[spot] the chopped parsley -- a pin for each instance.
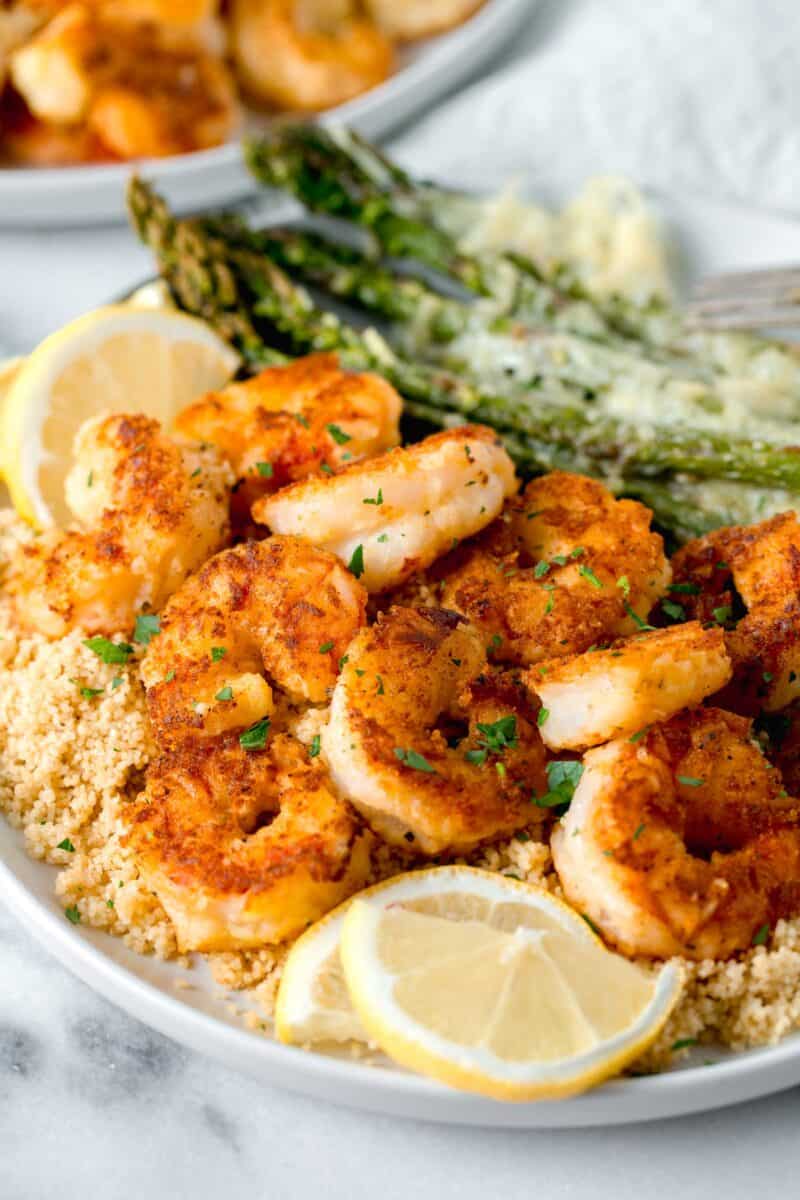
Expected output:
(376, 500)
(72, 914)
(225, 693)
(325, 647)
(676, 611)
(690, 781)
(638, 621)
(379, 688)
(218, 652)
(314, 748)
(722, 614)
(544, 713)
(589, 574)
(640, 733)
(255, 738)
(66, 845)
(88, 693)
(148, 626)
(265, 470)
(687, 589)
(108, 651)
(496, 737)
(563, 776)
(90, 479)
(195, 472)
(338, 435)
(541, 568)
(639, 831)
(760, 936)
(383, 538)
(684, 1043)
(591, 924)
(170, 675)
(343, 661)
(495, 642)
(411, 758)
(356, 564)
(624, 585)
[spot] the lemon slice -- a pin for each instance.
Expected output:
(313, 1003)
(116, 359)
(9, 369)
(495, 986)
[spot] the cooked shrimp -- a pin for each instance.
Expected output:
(294, 421)
(279, 608)
(604, 694)
(394, 515)
(756, 567)
(281, 64)
(681, 843)
(245, 847)
(414, 19)
(140, 91)
(411, 680)
(152, 510)
(567, 566)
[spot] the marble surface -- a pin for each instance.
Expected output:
(92, 1103)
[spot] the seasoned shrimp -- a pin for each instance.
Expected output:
(294, 421)
(152, 509)
(245, 847)
(279, 63)
(240, 833)
(139, 87)
(394, 515)
(683, 842)
(604, 694)
(278, 607)
(412, 683)
(755, 568)
(567, 566)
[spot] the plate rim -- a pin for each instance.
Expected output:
(738, 1077)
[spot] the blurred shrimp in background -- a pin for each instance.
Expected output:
(107, 80)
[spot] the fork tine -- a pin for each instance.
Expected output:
(744, 316)
(763, 278)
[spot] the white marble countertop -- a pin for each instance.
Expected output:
(92, 1103)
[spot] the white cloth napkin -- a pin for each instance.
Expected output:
(701, 96)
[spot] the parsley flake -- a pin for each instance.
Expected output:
(544, 713)
(314, 748)
(218, 652)
(377, 499)
(563, 776)
(690, 781)
(676, 611)
(66, 845)
(722, 614)
(411, 758)
(225, 693)
(624, 586)
(760, 936)
(338, 435)
(148, 626)
(265, 470)
(72, 914)
(108, 651)
(638, 621)
(325, 647)
(684, 1043)
(255, 738)
(589, 574)
(356, 564)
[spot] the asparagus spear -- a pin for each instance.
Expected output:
(337, 172)
(242, 290)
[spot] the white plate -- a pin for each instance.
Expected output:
(712, 235)
(83, 195)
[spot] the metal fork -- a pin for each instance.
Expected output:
(768, 298)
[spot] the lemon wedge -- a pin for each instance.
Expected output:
(115, 359)
(489, 985)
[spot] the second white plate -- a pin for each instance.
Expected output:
(84, 195)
